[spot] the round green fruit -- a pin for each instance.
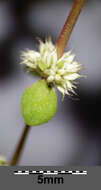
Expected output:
(39, 103)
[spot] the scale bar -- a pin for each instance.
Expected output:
(41, 172)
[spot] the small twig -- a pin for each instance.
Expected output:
(20, 146)
(68, 27)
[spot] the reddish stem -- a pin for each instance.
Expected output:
(20, 146)
(68, 27)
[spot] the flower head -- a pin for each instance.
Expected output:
(62, 72)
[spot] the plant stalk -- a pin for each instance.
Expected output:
(20, 146)
(68, 26)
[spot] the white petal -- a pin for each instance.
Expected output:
(31, 65)
(57, 77)
(49, 58)
(61, 71)
(71, 67)
(42, 48)
(69, 84)
(70, 58)
(50, 79)
(65, 55)
(61, 89)
(54, 57)
(72, 76)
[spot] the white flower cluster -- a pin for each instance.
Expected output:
(61, 72)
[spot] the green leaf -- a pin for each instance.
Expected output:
(39, 103)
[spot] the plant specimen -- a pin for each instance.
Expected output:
(58, 69)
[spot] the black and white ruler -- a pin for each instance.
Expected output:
(50, 172)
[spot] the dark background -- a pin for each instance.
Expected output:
(73, 136)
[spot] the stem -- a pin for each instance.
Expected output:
(68, 27)
(20, 146)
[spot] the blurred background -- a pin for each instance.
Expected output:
(73, 136)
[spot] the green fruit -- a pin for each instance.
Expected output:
(39, 103)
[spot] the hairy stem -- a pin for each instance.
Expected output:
(20, 146)
(68, 27)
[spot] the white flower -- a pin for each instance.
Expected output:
(61, 72)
